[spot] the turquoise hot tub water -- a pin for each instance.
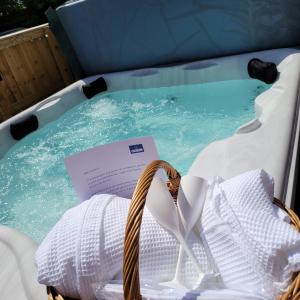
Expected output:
(35, 189)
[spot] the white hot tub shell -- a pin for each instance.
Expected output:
(270, 141)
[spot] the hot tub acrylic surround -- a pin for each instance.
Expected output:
(18, 272)
(255, 145)
(271, 140)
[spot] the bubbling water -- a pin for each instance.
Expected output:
(35, 189)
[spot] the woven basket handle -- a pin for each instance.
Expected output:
(131, 280)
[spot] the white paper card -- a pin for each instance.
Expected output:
(111, 168)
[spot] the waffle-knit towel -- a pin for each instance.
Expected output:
(254, 248)
(253, 244)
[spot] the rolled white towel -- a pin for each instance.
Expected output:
(84, 250)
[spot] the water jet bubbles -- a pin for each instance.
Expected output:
(182, 120)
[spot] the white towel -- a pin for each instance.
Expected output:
(254, 248)
(85, 248)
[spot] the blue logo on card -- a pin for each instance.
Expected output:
(136, 148)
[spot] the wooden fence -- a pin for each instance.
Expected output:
(32, 67)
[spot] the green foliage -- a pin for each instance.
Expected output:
(24, 13)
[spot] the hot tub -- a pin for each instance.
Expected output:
(269, 141)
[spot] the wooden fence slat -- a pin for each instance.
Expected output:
(48, 62)
(10, 79)
(8, 103)
(61, 63)
(17, 67)
(28, 74)
(32, 60)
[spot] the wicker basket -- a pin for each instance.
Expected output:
(131, 282)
